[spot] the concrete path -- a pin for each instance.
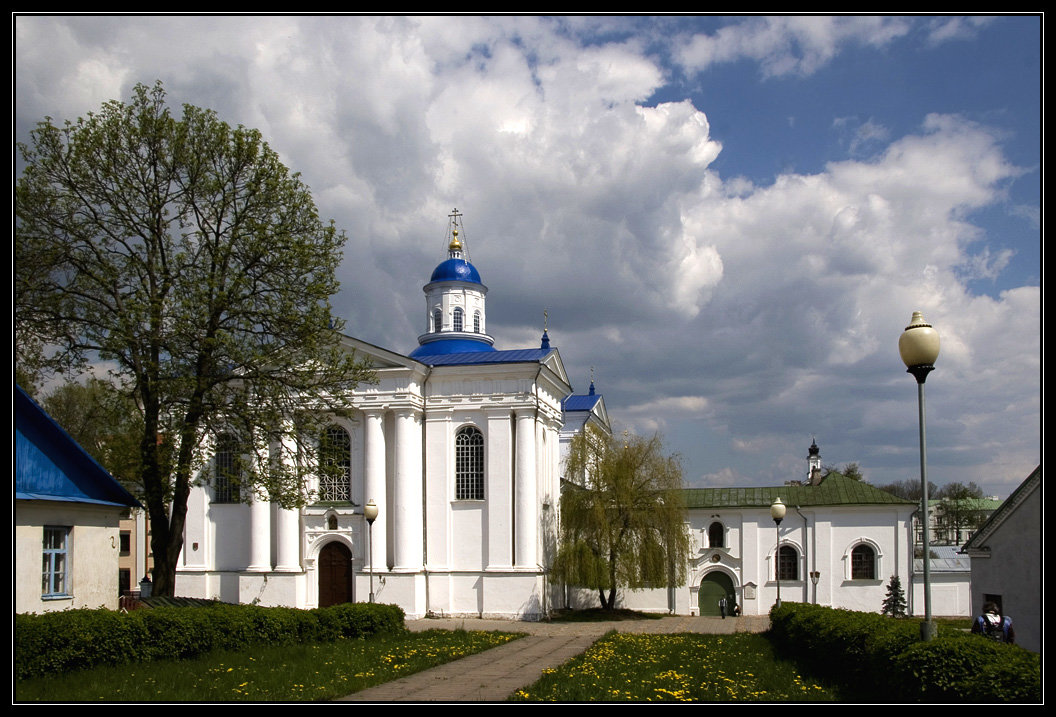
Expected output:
(494, 675)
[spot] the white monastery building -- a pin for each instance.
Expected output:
(460, 446)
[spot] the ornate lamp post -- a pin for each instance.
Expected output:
(777, 512)
(919, 347)
(815, 576)
(370, 512)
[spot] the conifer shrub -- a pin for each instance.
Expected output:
(75, 639)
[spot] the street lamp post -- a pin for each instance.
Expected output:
(815, 576)
(777, 512)
(919, 347)
(370, 512)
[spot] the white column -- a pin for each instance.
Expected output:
(497, 491)
(374, 484)
(526, 509)
(259, 534)
(287, 521)
(407, 554)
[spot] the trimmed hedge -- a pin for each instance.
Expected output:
(59, 642)
(883, 658)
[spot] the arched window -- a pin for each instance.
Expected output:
(335, 465)
(476, 322)
(863, 562)
(456, 320)
(469, 464)
(438, 320)
(787, 563)
(716, 535)
(226, 463)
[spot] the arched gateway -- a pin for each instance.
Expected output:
(715, 586)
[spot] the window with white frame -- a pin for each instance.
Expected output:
(863, 562)
(469, 464)
(56, 564)
(456, 319)
(438, 320)
(335, 464)
(787, 563)
(476, 322)
(227, 464)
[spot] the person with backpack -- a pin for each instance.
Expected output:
(994, 625)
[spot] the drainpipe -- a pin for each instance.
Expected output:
(813, 553)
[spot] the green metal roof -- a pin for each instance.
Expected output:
(835, 489)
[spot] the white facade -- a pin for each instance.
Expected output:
(438, 547)
(89, 551)
(734, 549)
(458, 445)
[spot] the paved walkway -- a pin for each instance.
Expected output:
(493, 675)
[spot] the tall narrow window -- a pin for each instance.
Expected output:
(469, 464)
(476, 322)
(716, 535)
(55, 570)
(456, 320)
(228, 474)
(335, 465)
(438, 320)
(863, 563)
(787, 563)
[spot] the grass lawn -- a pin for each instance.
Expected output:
(298, 673)
(624, 667)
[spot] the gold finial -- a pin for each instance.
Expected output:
(456, 244)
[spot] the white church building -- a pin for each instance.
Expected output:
(460, 446)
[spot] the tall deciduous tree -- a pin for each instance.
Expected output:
(622, 516)
(104, 421)
(182, 251)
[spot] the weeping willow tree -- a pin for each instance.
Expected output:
(622, 516)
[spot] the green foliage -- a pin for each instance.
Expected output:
(625, 667)
(303, 672)
(59, 642)
(182, 252)
(880, 658)
(622, 519)
(104, 421)
(895, 601)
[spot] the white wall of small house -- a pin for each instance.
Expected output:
(93, 547)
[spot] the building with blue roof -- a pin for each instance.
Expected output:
(67, 511)
(458, 444)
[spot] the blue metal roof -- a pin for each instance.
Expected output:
(456, 270)
(483, 357)
(580, 403)
(50, 465)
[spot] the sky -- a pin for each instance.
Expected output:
(728, 221)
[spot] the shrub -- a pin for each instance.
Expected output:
(75, 639)
(882, 658)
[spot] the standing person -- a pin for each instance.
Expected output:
(994, 625)
(722, 606)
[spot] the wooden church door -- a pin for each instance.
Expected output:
(335, 575)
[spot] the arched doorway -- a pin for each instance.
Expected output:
(713, 587)
(335, 575)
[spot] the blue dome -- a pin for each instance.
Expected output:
(456, 270)
(453, 345)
